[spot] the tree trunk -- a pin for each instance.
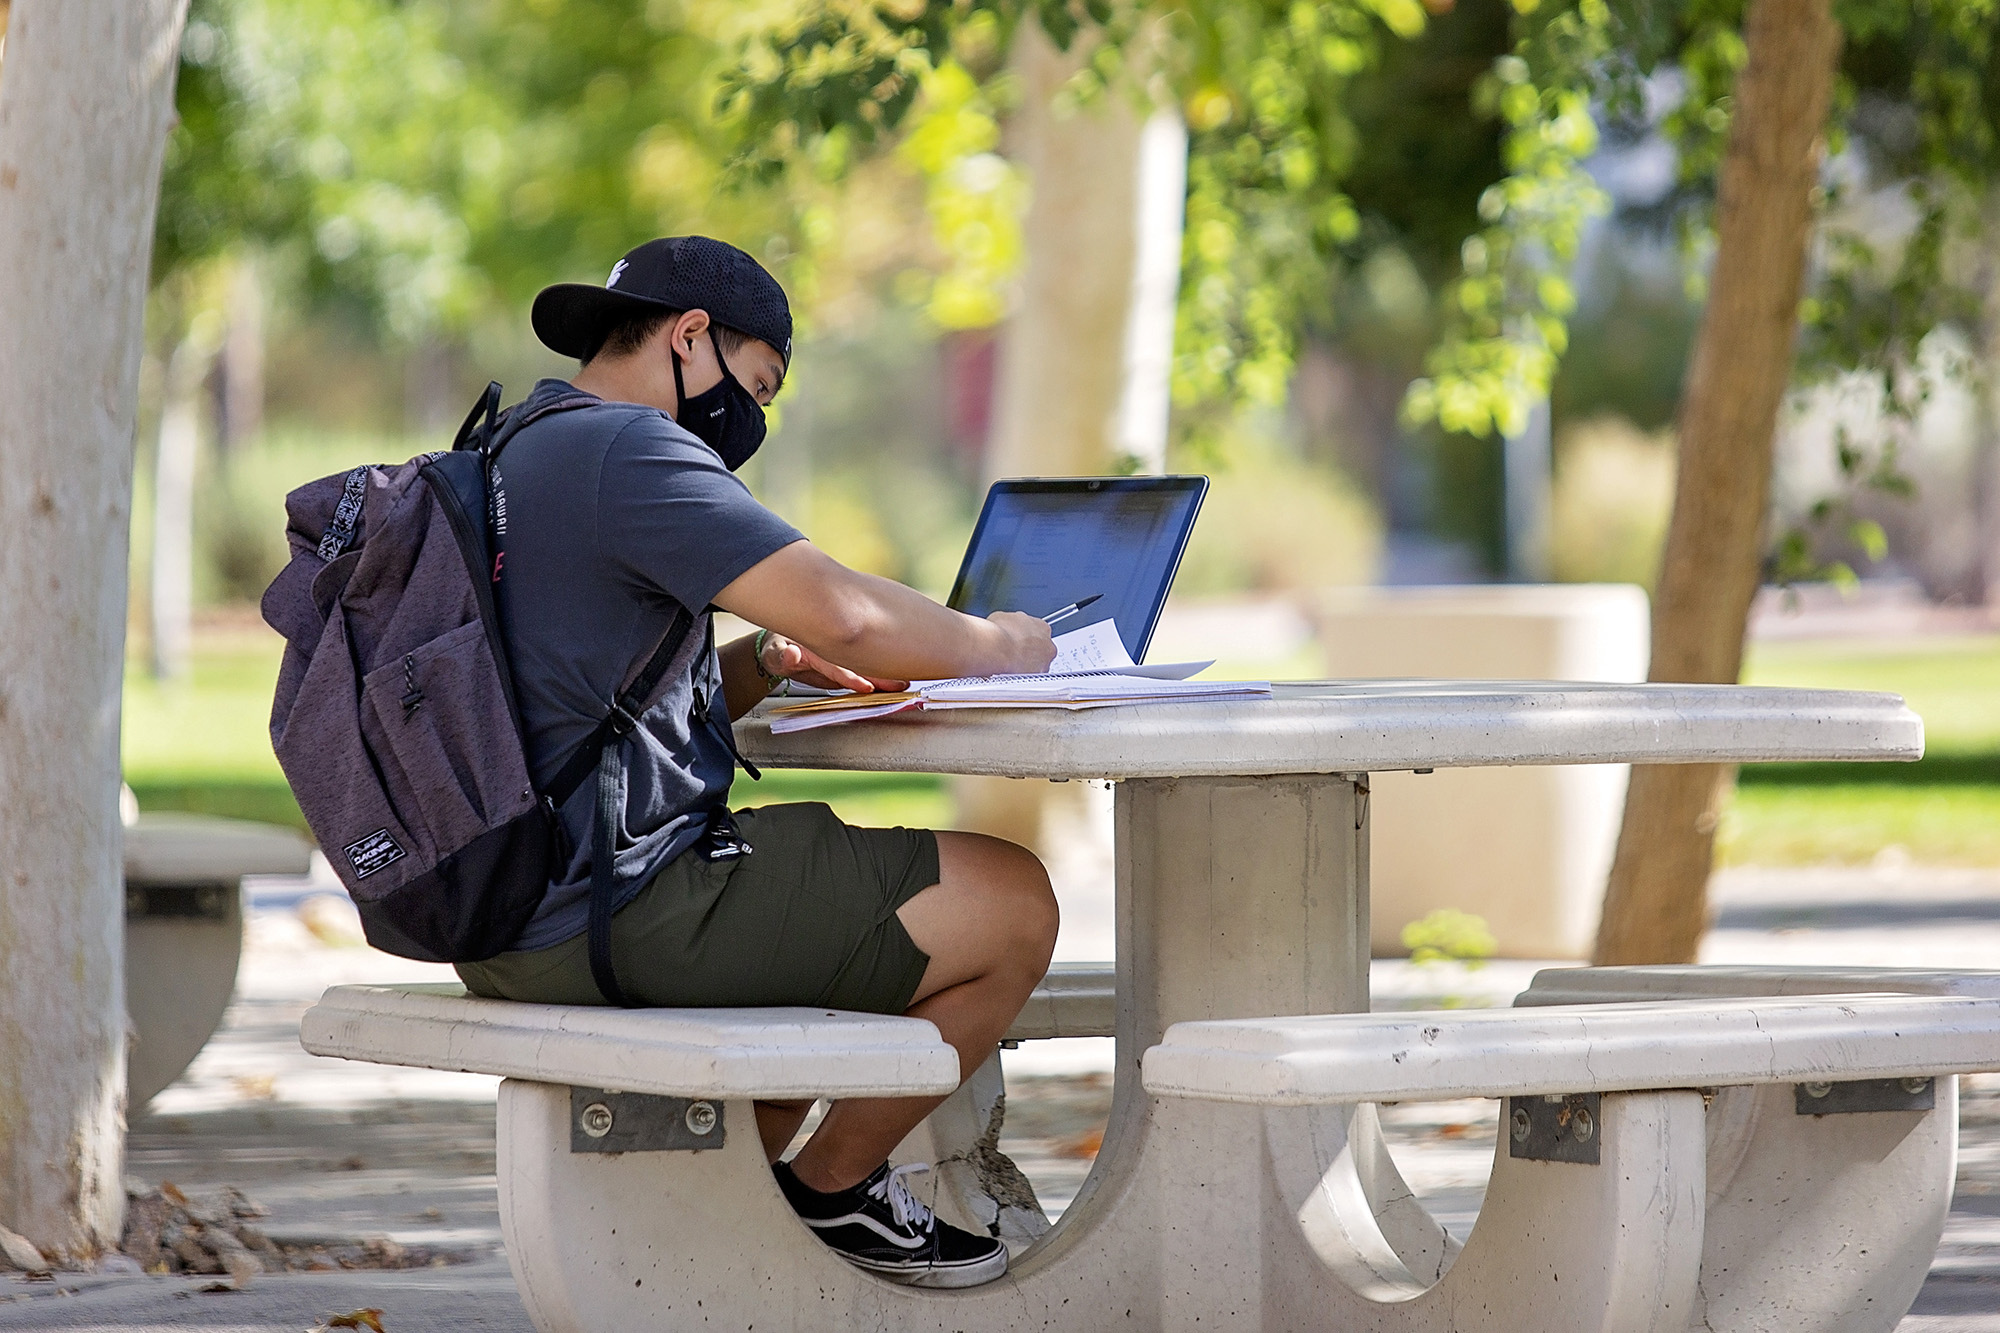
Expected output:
(174, 460)
(1986, 419)
(85, 103)
(1655, 907)
(239, 414)
(1087, 355)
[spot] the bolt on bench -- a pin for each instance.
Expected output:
(1243, 1181)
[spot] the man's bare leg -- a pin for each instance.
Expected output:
(777, 1122)
(989, 925)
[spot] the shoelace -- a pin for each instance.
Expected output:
(908, 1210)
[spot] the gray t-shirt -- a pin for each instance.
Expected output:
(613, 518)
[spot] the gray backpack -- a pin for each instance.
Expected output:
(395, 719)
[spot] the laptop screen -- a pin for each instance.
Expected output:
(1041, 545)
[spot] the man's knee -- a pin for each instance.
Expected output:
(1033, 908)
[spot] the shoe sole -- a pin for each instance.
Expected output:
(946, 1277)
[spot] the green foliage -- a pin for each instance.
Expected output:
(1449, 935)
(1507, 312)
(339, 130)
(975, 197)
(1270, 142)
(1263, 88)
(432, 161)
(1920, 97)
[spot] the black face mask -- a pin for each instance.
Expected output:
(725, 418)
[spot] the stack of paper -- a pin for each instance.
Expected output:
(1091, 670)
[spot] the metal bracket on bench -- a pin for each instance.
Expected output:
(1868, 1094)
(1557, 1127)
(602, 1121)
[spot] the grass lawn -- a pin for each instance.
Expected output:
(1943, 810)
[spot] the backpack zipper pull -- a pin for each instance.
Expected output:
(413, 698)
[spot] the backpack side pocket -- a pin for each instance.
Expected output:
(438, 708)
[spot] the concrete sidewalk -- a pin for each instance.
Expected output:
(341, 1151)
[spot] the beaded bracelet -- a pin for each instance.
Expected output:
(771, 682)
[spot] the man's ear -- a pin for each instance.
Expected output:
(686, 331)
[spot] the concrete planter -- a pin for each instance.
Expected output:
(1528, 849)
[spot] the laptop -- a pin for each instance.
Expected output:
(1042, 544)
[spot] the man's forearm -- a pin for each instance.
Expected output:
(881, 627)
(873, 625)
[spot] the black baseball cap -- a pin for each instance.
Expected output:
(672, 273)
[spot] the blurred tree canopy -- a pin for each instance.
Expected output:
(1456, 133)
(430, 159)
(434, 158)
(1918, 95)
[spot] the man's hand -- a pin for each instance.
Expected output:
(1029, 639)
(795, 661)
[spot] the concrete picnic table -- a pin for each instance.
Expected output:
(1243, 1181)
(184, 931)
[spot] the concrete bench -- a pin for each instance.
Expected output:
(1608, 1206)
(1808, 1196)
(720, 1054)
(1074, 1000)
(709, 1054)
(184, 931)
(1761, 1152)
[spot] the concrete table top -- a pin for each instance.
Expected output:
(177, 848)
(1365, 726)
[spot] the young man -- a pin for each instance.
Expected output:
(620, 510)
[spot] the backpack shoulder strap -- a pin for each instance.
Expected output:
(488, 429)
(601, 750)
(624, 714)
(477, 428)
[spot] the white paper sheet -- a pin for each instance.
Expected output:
(1092, 648)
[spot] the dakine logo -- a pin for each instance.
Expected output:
(373, 852)
(617, 271)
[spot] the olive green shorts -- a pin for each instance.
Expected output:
(808, 918)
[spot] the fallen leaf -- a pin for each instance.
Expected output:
(370, 1318)
(1083, 1145)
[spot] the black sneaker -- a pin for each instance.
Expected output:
(881, 1227)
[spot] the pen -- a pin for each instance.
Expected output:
(1066, 612)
